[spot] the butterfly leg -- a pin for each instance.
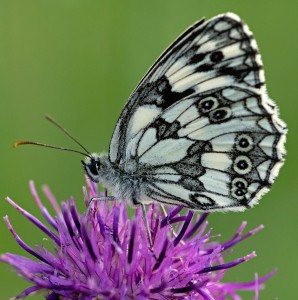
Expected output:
(148, 229)
(103, 198)
(172, 229)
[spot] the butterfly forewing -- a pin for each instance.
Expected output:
(200, 127)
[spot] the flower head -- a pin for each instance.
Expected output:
(106, 255)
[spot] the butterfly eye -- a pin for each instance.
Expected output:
(93, 168)
(244, 143)
(208, 104)
(242, 165)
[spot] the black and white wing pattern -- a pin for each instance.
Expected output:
(199, 128)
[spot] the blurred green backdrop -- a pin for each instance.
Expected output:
(79, 60)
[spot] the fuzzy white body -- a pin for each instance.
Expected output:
(126, 185)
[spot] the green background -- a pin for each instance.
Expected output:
(79, 60)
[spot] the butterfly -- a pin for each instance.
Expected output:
(199, 129)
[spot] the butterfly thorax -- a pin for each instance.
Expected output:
(122, 184)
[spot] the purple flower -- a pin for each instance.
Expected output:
(106, 254)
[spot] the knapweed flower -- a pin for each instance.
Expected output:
(104, 254)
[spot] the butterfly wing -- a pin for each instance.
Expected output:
(217, 53)
(199, 128)
(219, 150)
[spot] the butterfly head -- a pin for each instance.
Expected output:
(92, 166)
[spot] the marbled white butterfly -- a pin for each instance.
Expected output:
(199, 129)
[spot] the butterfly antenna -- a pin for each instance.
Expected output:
(48, 146)
(53, 121)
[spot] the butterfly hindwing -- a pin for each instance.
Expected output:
(225, 146)
(200, 129)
